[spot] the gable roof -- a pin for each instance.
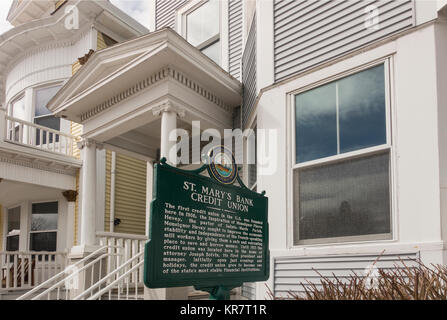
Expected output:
(112, 70)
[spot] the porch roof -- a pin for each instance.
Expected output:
(118, 69)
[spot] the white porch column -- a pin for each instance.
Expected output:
(169, 114)
(70, 195)
(88, 195)
(168, 124)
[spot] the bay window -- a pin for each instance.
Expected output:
(203, 29)
(341, 175)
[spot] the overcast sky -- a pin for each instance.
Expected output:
(137, 9)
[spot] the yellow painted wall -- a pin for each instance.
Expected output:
(103, 41)
(130, 194)
(75, 67)
(59, 3)
(76, 130)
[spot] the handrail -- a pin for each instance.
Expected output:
(110, 275)
(64, 280)
(31, 124)
(45, 283)
(33, 252)
(101, 292)
(126, 236)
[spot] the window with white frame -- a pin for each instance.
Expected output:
(43, 232)
(342, 170)
(43, 116)
(203, 29)
(17, 110)
(13, 229)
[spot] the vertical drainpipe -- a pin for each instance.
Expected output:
(112, 193)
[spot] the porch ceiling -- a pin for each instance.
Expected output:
(13, 193)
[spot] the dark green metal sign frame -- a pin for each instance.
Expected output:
(169, 187)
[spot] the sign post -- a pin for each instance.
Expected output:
(204, 231)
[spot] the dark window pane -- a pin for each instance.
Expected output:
(349, 198)
(44, 221)
(49, 122)
(12, 243)
(45, 207)
(362, 110)
(316, 123)
(43, 96)
(44, 216)
(43, 241)
(14, 219)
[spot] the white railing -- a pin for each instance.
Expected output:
(40, 137)
(124, 283)
(25, 270)
(113, 270)
(128, 245)
(59, 285)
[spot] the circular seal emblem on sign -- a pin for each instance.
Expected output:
(222, 165)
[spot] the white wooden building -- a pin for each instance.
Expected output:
(352, 89)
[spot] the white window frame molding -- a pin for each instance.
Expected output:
(252, 122)
(22, 206)
(18, 96)
(190, 6)
(253, 125)
(344, 70)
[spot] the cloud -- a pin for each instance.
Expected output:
(4, 9)
(137, 9)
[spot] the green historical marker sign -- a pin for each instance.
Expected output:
(206, 232)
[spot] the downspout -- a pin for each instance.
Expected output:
(112, 193)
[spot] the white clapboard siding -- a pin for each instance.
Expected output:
(235, 37)
(248, 290)
(47, 63)
(308, 33)
(249, 73)
(290, 272)
(165, 11)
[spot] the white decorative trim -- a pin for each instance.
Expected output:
(165, 73)
(33, 164)
(168, 107)
(55, 44)
(85, 143)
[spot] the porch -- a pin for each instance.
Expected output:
(130, 99)
(114, 270)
